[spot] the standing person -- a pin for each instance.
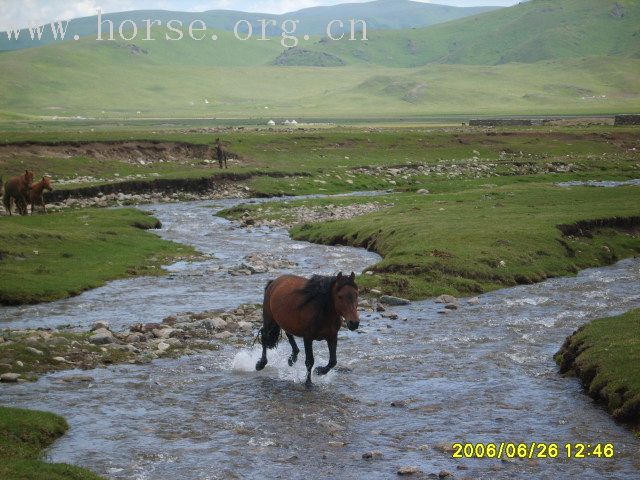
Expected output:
(221, 154)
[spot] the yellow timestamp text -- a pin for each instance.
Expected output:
(537, 450)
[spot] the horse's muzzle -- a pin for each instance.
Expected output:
(353, 325)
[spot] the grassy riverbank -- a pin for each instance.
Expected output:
(478, 238)
(605, 355)
(47, 257)
(24, 435)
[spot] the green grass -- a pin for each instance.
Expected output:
(24, 435)
(47, 257)
(605, 355)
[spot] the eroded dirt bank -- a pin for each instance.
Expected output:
(149, 151)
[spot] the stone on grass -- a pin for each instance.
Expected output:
(102, 331)
(9, 377)
(446, 299)
(100, 325)
(245, 326)
(101, 339)
(215, 323)
(391, 300)
(35, 351)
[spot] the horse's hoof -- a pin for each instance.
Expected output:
(308, 383)
(292, 359)
(260, 365)
(320, 371)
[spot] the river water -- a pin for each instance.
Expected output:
(483, 373)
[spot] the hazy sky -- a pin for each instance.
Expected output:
(21, 13)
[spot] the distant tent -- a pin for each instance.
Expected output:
(293, 122)
(287, 122)
(271, 123)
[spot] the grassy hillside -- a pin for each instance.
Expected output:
(380, 14)
(539, 57)
(239, 79)
(527, 32)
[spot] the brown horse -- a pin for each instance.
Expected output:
(309, 308)
(17, 189)
(36, 195)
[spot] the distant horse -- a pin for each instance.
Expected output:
(18, 189)
(309, 308)
(36, 195)
(221, 154)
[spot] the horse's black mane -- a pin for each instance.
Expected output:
(317, 292)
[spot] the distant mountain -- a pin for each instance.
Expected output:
(528, 32)
(380, 14)
(543, 56)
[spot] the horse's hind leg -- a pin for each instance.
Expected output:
(293, 358)
(308, 361)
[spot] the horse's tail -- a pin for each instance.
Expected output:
(6, 200)
(270, 331)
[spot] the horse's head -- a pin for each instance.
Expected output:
(47, 184)
(345, 299)
(28, 177)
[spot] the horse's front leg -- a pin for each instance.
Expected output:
(308, 361)
(332, 343)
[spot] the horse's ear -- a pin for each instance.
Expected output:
(339, 277)
(353, 276)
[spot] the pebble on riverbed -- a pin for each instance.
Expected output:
(256, 264)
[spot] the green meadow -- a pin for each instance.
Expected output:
(47, 257)
(24, 435)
